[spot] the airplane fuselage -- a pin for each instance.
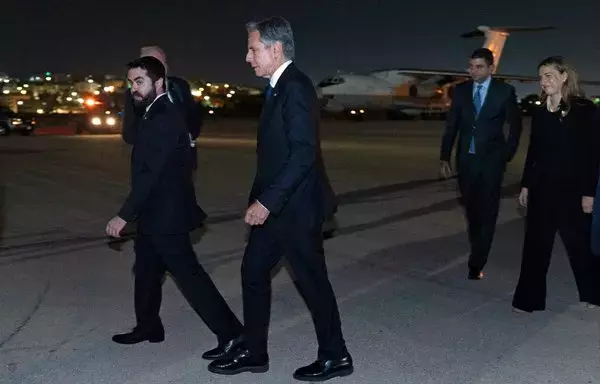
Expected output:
(382, 90)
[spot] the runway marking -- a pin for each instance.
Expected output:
(454, 263)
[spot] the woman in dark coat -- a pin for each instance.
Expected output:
(558, 187)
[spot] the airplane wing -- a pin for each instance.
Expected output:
(465, 75)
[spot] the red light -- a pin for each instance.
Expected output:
(90, 102)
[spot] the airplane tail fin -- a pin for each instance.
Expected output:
(495, 37)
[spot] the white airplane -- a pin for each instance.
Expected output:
(411, 92)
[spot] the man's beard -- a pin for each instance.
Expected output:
(145, 101)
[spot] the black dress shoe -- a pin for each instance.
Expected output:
(224, 350)
(242, 361)
(322, 370)
(137, 336)
(475, 274)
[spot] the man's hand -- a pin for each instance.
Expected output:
(115, 226)
(587, 203)
(446, 169)
(256, 214)
(524, 197)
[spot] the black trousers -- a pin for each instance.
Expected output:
(551, 210)
(155, 254)
(480, 191)
(303, 248)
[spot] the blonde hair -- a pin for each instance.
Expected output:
(571, 88)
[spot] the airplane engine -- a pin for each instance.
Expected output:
(424, 90)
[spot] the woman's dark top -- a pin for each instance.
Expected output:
(564, 149)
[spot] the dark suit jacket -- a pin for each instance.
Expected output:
(162, 197)
(179, 90)
(290, 177)
(493, 148)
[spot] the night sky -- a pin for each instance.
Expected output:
(207, 39)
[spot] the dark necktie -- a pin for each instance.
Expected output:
(477, 102)
(268, 92)
(477, 99)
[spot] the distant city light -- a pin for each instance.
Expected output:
(197, 93)
(208, 84)
(48, 78)
(96, 93)
(20, 102)
(206, 97)
(211, 112)
(96, 121)
(226, 85)
(69, 98)
(80, 100)
(109, 89)
(111, 121)
(26, 85)
(232, 92)
(23, 92)
(7, 80)
(229, 95)
(40, 111)
(19, 88)
(6, 91)
(90, 102)
(107, 112)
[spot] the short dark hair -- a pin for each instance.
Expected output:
(485, 54)
(154, 68)
(274, 29)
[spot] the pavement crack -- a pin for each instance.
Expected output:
(27, 319)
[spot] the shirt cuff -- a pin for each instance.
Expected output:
(261, 204)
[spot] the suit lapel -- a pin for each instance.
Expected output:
(161, 100)
(469, 101)
(270, 103)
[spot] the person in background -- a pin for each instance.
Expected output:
(480, 108)
(558, 187)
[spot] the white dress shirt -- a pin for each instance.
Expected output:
(277, 74)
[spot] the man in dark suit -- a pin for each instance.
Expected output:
(290, 199)
(163, 202)
(480, 108)
(179, 92)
